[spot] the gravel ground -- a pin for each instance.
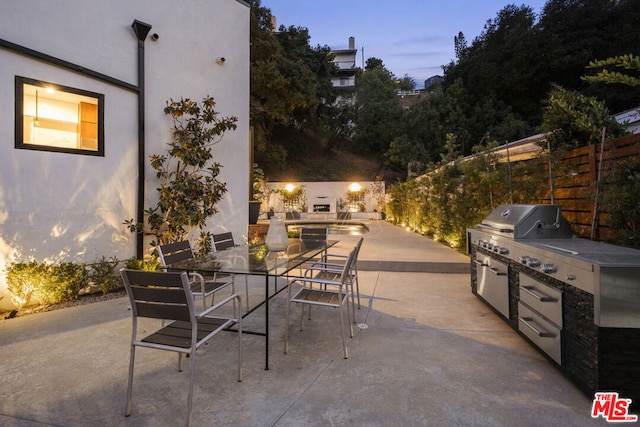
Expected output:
(81, 300)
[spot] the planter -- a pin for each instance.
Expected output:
(277, 238)
(254, 211)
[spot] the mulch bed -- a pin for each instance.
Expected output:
(81, 300)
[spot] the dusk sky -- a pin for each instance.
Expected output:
(412, 37)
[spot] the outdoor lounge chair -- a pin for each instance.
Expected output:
(317, 290)
(168, 296)
(180, 251)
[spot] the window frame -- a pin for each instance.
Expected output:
(19, 117)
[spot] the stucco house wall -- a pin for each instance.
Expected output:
(70, 207)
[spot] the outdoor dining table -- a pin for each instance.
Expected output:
(260, 261)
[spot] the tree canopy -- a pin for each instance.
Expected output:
(495, 89)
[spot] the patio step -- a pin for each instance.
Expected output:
(415, 266)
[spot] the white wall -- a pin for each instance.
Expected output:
(67, 207)
(326, 193)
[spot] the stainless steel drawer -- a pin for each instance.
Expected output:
(542, 298)
(543, 333)
(493, 283)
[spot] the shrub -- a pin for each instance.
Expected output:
(23, 279)
(49, 283)
(103, 274)
(63, 282)
(141, 264)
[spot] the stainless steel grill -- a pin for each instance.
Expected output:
(539, 237)
(527, 222)
(576, 300)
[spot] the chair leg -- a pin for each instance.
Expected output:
(286, 316)
(344, 341)
(239, 320)
(353, 306)
(302, 316)
(358, 290)
(130, 384)
(179, 362)
(246, 291)
(191, 376)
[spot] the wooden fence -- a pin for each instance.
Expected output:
(576, 182)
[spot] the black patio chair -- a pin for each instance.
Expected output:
(223, 241)
(181, 251)
(168, 296)
(315, 289)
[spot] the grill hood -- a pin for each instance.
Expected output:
(527, 222)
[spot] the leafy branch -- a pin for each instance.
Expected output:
(190, 188)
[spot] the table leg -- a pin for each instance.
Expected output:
(266, 322)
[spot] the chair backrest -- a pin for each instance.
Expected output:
(223, 241)
(159, 295)
(346, 269)
(357, 251)
(314, 233)
(175, 252)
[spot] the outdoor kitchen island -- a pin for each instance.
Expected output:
(577, 301)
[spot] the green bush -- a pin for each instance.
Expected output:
(63, 282)
(23, 279)
(49, 283)
(141, 264)
(103, 274)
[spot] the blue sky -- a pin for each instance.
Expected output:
(412, 37)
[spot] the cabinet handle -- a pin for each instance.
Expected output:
(539, 297)
(497, 272)
(543, 334)
(480, 263)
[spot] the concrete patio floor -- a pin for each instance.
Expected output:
(427, 353)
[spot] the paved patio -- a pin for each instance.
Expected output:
(428, 353)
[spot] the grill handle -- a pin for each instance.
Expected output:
(496, 271)
(528, 323)
(542, 298)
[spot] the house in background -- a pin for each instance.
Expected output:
(630, 119)
(71, 158)
(433, 80)
(345, 60)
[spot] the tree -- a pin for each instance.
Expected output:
(575, 120)
(292, 96)
(608, 70)
(190, 189)
(406, 83)
(379, 112)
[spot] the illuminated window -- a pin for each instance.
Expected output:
(51, 117)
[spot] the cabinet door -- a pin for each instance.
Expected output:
(493, 283)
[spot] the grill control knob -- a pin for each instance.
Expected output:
(534, 262)
(503, 251)
(549, 268)
(524, 259)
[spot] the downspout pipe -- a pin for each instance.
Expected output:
(141, 30)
